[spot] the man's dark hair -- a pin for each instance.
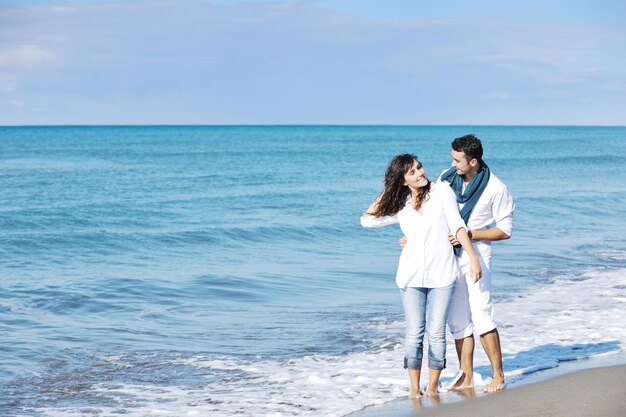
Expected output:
(470, 145)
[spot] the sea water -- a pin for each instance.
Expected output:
(218, 271)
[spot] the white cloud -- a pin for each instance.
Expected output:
(8, 83)
(294, 62)
(497, 95)
(26, 55)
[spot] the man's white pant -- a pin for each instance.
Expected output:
(471, 309)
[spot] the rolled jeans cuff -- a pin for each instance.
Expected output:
(413, 363)
(436, 364)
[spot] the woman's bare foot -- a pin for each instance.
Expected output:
(417, 403)
(433, 397)
(431, 393)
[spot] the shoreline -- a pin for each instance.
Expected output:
(592, 387)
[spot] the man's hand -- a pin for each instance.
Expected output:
(402, 242)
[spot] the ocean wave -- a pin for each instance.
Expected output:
(103, 241)
(537, 334)
(45, 165)
(617, 255)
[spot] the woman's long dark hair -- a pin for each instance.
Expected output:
(394, 195)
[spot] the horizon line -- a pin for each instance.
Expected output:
(306, 125)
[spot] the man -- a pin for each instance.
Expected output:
(487, 208)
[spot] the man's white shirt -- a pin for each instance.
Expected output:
(495, 207)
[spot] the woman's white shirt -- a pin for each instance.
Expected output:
(427, 259)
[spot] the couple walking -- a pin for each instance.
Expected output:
(444, 272)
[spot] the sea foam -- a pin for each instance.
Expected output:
(571, 318)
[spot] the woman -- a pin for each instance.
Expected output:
(427, 270)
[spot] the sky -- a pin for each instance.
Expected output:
(407, 62)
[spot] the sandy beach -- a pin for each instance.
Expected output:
(598, 392)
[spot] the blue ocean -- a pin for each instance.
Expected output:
(220, 271)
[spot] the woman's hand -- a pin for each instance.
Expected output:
(475, 269)
(464, 239)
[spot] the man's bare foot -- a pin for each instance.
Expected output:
(496, 384)
(462, 383)
(415, 393)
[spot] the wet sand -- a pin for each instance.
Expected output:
(597, 392)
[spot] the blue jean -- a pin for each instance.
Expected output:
(426, 309)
